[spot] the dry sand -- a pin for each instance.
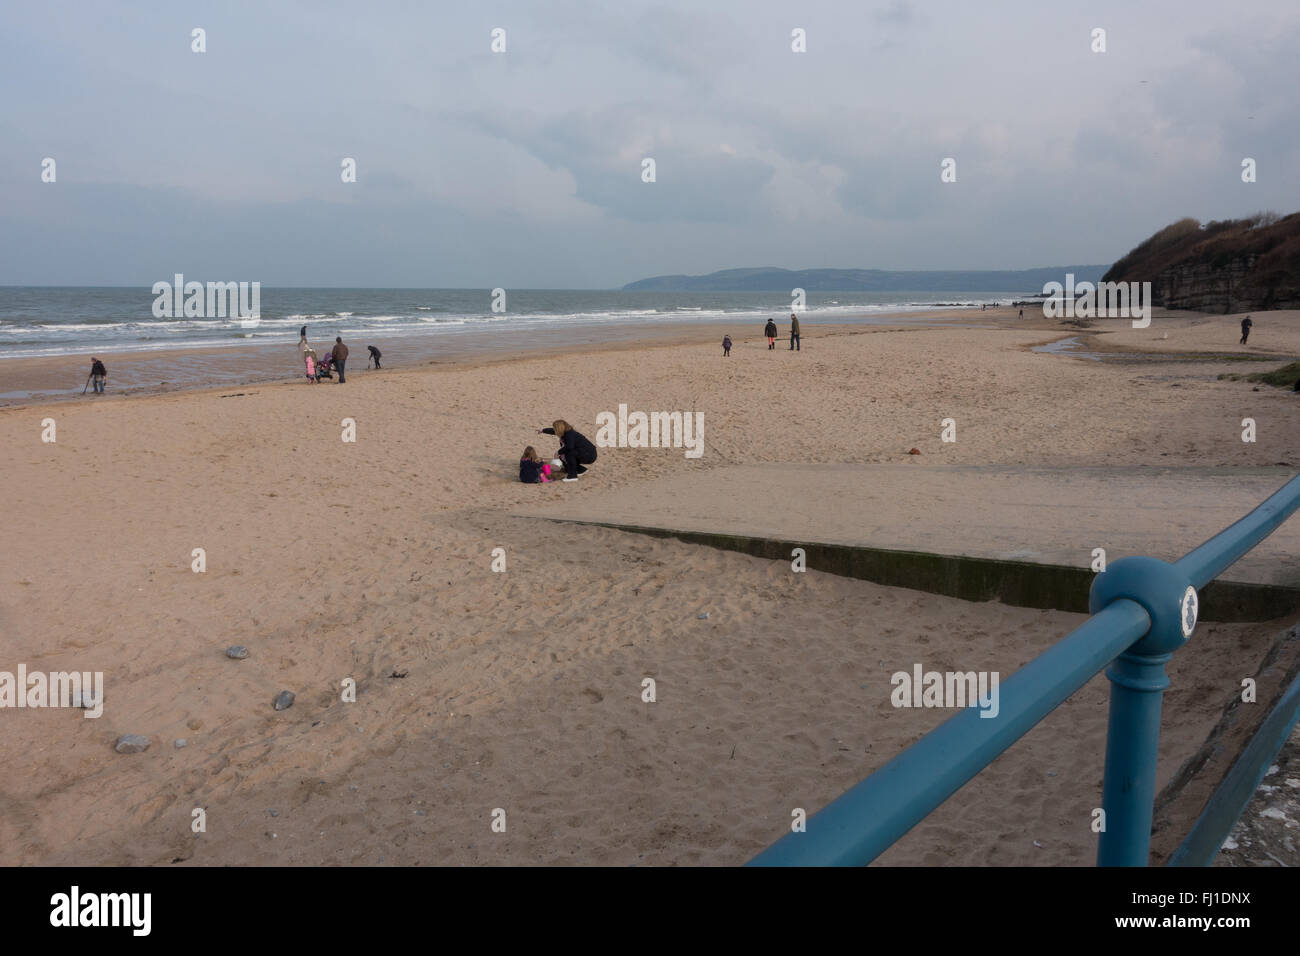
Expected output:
(522, 690)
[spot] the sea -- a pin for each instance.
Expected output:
(46, 321)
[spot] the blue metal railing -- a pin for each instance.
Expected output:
(1143, 610)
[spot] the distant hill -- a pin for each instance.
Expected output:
(865, 280)
(1237, 265)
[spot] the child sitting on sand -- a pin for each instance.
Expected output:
(532, 470)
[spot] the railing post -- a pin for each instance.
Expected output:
(1128, 790)
(1138, 682)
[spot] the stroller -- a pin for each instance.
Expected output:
(325, 368)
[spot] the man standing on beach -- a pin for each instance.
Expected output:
(340, 354)
(1245, 329)
(794, 333)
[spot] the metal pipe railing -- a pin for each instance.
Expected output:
(1143, 610)
(902, 792)
(1202, 565)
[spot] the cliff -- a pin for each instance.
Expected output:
(1237, 265)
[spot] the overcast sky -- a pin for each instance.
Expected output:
(523, 169)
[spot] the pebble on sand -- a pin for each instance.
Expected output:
(914, 451)
(131, 744)
(237, 652)
(180, 742)
(284, 701)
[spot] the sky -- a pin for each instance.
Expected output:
(524, 168)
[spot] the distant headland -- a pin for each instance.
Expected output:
(771, 279)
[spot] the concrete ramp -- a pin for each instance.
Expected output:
(1020, 534)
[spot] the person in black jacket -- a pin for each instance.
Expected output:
(98, 373)
(1245, 329)
(575, 450)
(770, 331)
(532, 470)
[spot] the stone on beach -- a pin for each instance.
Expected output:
(284, 701)
(131, 744)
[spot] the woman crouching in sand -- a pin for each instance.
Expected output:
(575, 450)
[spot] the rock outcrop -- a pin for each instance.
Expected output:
(1240, 265)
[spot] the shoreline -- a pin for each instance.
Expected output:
(39, 381)
(133, 374)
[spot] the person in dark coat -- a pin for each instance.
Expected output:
(340, 356)
(532, 470)
(1245, 329)
(374, 355)
(98, 373)
(726, 345)
(575, 450)
(770, 331)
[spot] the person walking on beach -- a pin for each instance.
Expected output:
(726, 345)
(340, 356)
(374, 355)
(1022, 313)
(770, 331)
(575, 449)
(794, 333)
(1245, 329)
(98, 374)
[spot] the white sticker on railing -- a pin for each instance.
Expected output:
(1190, 606)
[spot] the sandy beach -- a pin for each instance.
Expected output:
(522, 690)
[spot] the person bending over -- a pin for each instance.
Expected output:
(575, 450)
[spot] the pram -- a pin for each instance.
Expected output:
(325, 368)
